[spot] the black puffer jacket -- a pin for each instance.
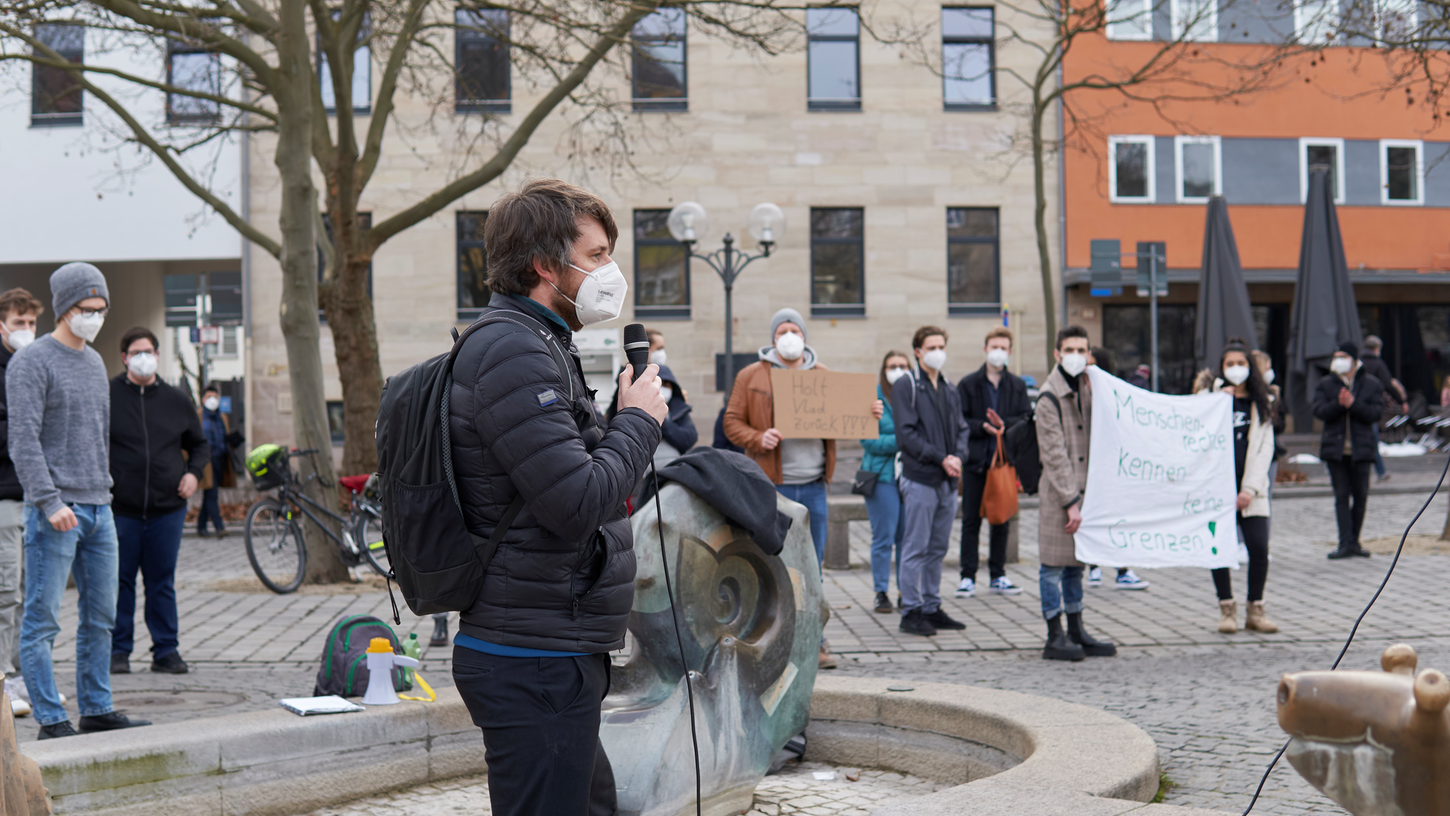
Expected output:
(151, 427)
(1369, 395)
(563, 578)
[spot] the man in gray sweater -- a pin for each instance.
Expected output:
(58, 397)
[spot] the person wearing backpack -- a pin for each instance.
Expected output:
(531, 657)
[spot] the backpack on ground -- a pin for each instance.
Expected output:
(1019, 442)
(439, 565)
(344, 670)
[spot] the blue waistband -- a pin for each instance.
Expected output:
(484, 646)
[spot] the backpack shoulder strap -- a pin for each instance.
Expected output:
(486, 548)
(535, 327)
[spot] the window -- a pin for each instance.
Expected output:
(56, 97)
(224, 290)
(1401, 172)
(838, 262)
(362, 75)
(1130, 19)
(659, 62)
(473, 291)
(364, 222)
(481, 53)
(973, 265)
(1131, 175)
(833, 59)
(1315, 21)
(1198, 165)
(1322, 153)
(1195, 20)
(192, 68)
(661, 268)
(1395, 20)
(229, 344)
(335, 418)
(968, 58)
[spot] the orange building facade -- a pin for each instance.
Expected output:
(1144, 172)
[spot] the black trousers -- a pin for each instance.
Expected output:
(540, 721)
(973, 485)
(1351, 491)
(1256, 539)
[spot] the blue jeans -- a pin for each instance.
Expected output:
(1066, 599)
(930, 513)
(813, 496)
(87, 552)
(150, 545)
(887, 525)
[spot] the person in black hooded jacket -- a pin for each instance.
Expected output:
(1349, 402)
(158, 452)
(531, 655)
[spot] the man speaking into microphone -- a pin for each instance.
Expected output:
(531, 656)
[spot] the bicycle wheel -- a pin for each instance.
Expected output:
(368, 533)
(275, 546)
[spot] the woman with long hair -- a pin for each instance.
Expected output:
(1253, 434)
(883, 506)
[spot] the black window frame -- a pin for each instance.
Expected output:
(363, 32)
(336, 430)
(43, 118)
(463, 34)
(655, 312)
(643, 104)
(175, 48)
(838, 309)
(811, 39)
(467, 314)
(985, 308)
(365, 222)
(990, 41)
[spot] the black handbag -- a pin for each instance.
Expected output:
(865, 483)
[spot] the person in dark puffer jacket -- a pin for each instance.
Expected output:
(531, 657)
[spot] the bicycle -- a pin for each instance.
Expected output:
(274, 537)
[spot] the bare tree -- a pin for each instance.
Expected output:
(269, 56)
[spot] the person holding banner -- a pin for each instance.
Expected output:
(1064, 430)
(1253, 434)
(1349, 403)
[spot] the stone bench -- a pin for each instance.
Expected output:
(848, 508)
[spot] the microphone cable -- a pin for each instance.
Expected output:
(679, 640)
(1355, 629)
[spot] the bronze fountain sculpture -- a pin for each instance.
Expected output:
(22, 793)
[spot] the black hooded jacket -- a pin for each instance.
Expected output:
(563, 577)
(1369, 396)
(9, 482)
(1012, 406)
(151, 427)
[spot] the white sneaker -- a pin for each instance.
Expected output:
(15, 687)
(1004, 586)
(1130, 581)
(1095, 577)
(967, 588)
(18, 707)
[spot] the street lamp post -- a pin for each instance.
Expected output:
(689, 222)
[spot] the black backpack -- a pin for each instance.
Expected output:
(1020, 444)
(439, 565)
(344, 669)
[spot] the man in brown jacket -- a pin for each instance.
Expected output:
(1064, 428)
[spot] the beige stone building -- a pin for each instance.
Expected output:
(875, 149)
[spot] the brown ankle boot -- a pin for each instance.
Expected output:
(1257, 621)
(1228, 612)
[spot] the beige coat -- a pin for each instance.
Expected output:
(1062, 443)
(1260, 456)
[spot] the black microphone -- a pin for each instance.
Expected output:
(636, 347)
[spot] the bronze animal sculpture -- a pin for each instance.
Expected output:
(22, 793)
(1378, 743)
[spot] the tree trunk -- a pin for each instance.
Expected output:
(1044, 255)
(349, 312)
(298, 310)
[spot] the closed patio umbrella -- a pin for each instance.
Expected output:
(1223, 298)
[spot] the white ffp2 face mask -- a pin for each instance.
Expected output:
(658, 357)
(86, 328)
(667, 392)
(791, 346)
(1341, 365)
(998, 357)
(211, 403)
(1236, 374)
(894, 373)
(1269, 377)
(936, 359)
(600, 296)
(20, 338)
(142, 364)
(1074, 364)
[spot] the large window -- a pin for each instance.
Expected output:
(56, 97)
(1402, 173)
(1131, 176)
(1198, 163)
(473, 291)
(833, 59)
(968, 59)
(838, 262)
(192, 68)
(1315, 21)
(1130, 19)
(659, 62)
(973, 263)
(1326, 154)
(661, 268)
(481, 53)
(362, 75)
(1195, 20)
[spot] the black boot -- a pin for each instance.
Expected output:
(1342, 552)
(1058, 646)
(440, 631)
(1090, 647)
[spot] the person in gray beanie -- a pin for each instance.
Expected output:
(59, 404)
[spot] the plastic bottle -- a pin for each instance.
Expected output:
(414, 649)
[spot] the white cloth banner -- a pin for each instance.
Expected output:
(1161, 486)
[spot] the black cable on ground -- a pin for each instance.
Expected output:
(1355, 630)
(679, 640)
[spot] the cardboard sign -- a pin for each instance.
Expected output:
(823, 404)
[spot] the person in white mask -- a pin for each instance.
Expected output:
(218, 472)
(877, 482)
(1064, 431)
(18, 311)
(1349, 402)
